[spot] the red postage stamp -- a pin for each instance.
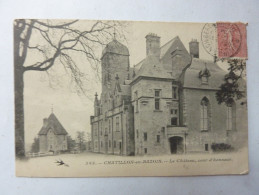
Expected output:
(231, 38)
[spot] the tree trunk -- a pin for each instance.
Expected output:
(19, 112)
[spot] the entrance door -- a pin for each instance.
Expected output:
(176, 145)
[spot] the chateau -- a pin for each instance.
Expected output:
(165, 104)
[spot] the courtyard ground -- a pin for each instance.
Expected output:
(90, 164)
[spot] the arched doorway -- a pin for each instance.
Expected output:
(176, 145)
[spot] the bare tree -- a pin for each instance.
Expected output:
(58, 41)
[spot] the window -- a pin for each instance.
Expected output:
(174, 117)
(117, 124)
(206, 147)
(109, 143)
(173, 111)
(114, 144)
(96, 144)
(231, 116)
(157, 104)
(145, 136)
(101, 144)
(95, 129)
(204, 114)
(157, 99)
(109, 125)
(158, 138)
(145, 150)
(174, 92)
(136, 100)
(204, 80)
(137, 133)
(174, 121)
(157, 93)
(101, 110)
(101, 128)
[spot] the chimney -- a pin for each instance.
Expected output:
(45, 121)
(194, 48)
(153, 45)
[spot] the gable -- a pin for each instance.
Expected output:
(179, 62)
(171, 46)
(53, 123)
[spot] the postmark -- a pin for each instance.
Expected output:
(209, 38)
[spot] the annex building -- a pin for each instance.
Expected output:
(52, 135)
(165, 104)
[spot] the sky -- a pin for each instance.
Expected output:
(74, 111)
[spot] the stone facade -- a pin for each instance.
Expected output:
(165, 104)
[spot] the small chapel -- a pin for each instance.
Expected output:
(52, 135)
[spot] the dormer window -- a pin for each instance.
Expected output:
(204, 75)
(204, 80)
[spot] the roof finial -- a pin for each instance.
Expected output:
(51, 108)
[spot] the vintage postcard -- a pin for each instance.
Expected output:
(128, 98)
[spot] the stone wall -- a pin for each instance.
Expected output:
(149, 120)
(217, 133)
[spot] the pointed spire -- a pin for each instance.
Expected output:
(52, 108)
(96, 96)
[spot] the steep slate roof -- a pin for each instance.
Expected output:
(164, 49)
(115, 47)
(151, 67)
(53, 123)
(191, 76)
(143, 68)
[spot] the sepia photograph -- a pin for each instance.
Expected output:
(103, 98)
